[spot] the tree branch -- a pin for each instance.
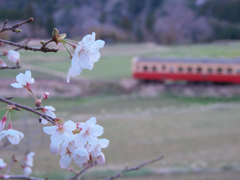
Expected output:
(19, 177)
(13, 27)
(10, 67)
(126, 169)
(43, 48)
(27, 108)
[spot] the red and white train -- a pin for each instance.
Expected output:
(219, 70)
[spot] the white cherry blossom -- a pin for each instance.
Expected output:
(13, 56)
(29, 159)
(13, 136)
(2, 164)
(60, 132)
(27, 171)
(24, 80)
(48, 110)
(54, 149)
(96, 150)
(80, 156)
(65, 161)
(86, 54)
(89, 131)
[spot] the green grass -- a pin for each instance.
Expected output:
(115, 62)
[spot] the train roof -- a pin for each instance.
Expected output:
(189, 60)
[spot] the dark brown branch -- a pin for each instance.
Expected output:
(10, 67)
(20, 177)
(13, 27)
(27, 108)
(43, 48)
(126, 169)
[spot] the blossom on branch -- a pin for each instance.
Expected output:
(3, 122)
(85, 55)
(13, 56)
(24, 80)
(61, 132)
(13, 136)
(29, 159)
(48, 110)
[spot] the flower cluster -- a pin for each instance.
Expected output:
(77, 141)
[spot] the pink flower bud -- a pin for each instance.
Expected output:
(45, 95)
(10, 125)
(38, 102)
(70, 169)
(3, 122)
(27, 171)
(10, 107)
(101, 159)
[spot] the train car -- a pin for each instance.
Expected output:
(220, 70)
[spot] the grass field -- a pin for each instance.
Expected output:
(189, 132)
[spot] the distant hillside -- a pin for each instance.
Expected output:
(162, 21)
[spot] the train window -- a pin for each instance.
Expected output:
(209, 70)
(145, 68)
(171, 69)
(154, 68)
(199, 70)
(229, 70)
(180, 69)
(189, 69)
(238, 71)
(219, 70)
(163, 67)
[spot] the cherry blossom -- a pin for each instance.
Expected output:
(13, 136)
(2, 164)
(80, 156)
(24, 80)
(96, 150)
(29, 159)
(13, 56)
(60, 132)
(54, 149)
(48, 110)
(27, 171)
(65, 161)
(85, 55)
(89, 131)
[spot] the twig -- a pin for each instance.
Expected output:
(27, 108)
(13, 27)
(10, 67)
(43, 48)
(126, 169)
(10, 166)
(4, 145)
(19, 177)
(82, 171)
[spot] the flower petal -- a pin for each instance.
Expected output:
(65, 161)
(50, 129)
(16, 85)
(70, 125)
(56, 138)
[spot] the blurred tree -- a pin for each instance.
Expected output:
(150, 20)
(50, 24)
(126, 23)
